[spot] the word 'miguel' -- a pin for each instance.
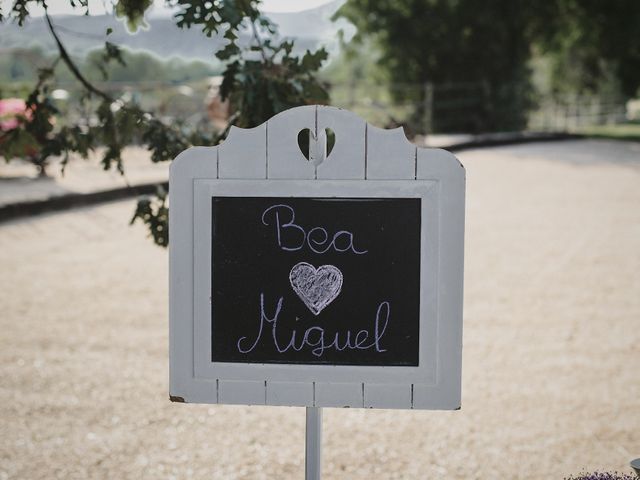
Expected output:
(315, 337)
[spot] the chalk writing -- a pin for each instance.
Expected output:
(316, 338)
(292, 237)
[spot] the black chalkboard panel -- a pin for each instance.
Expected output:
(316, 280)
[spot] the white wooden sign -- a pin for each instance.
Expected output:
(333, 281)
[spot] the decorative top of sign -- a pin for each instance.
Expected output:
(361, 151)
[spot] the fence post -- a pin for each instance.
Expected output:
(428, 108)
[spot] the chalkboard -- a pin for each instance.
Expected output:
(315, 280)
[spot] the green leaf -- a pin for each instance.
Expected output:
(230, 50)
(154, 213)
(132, 11)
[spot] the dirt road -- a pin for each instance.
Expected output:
(551, 345)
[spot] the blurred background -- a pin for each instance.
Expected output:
(433, 67)
(539, 100)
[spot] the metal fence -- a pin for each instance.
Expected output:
(421, 106)
(572, 112)
(446, 104)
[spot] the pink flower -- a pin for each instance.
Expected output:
(11, 109)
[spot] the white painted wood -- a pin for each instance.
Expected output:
(389, 154)
(317, 147)
(341, 395)
(444, 396)
(192, 163)
(371, 162)
(244, 153)
(313, 444)
(347, 159)
(444, 167)
(241, 392)
(387, 396)
(439, 164)
(204, 189)
(284, 158)
(289, 393)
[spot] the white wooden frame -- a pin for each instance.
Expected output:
(366, 162)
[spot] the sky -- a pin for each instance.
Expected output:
(97, 7)
(291, 5)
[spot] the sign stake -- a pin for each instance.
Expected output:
(313, 444)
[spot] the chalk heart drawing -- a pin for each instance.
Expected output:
(316, 287)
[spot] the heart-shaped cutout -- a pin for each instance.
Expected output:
(317, 288)
(316, 148)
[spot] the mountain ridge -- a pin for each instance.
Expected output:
(310, 29)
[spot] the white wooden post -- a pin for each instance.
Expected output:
(313, 444)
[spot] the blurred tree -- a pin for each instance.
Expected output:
(591, 44)
(466, 48)
(261, 78)
(21, 65)
(477, 54)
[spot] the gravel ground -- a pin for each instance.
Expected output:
(19, 181)
(551, 345)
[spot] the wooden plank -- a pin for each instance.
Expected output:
(390, 156)
(192, 163)
(294, 394)
(443, 166)
(338, 395)
(202, 392)
(347, 159)
(387, 396)
(284, 158)
(241, 392)
(438, 164)
(445, 397)
(244, 153)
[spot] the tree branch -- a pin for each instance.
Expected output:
(258, 41)
(72, 66)
(133, 109)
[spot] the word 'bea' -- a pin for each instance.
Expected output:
(316, 338)
(292, 237)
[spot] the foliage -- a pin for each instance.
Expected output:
(358, 66)
(259, 88)
(592, 44)
(20, 66)
(483, 52)
(154, 212)
(448, 42)
(623, 131)
(144, 67)
(261, 78)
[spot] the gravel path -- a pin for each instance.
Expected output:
(551, 345)
(20, 183)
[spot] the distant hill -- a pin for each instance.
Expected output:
(310, 29)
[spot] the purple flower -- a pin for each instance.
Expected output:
(602, 476)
